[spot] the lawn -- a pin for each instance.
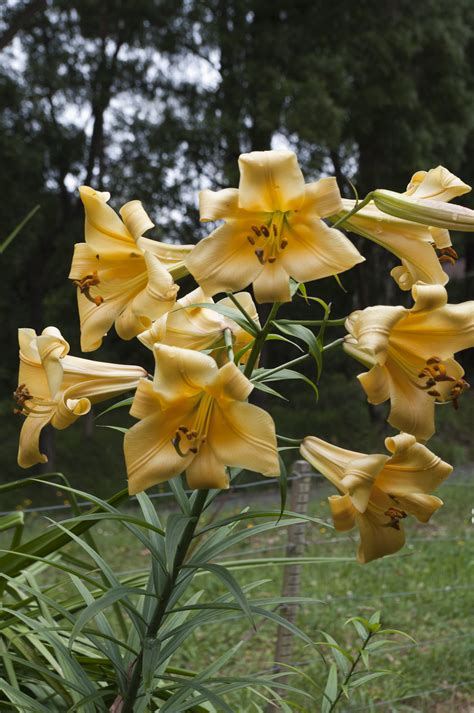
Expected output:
(424, 591)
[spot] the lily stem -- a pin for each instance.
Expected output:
(163, 599)
(229, 344)
(358, 206)
(351, 671)
(260, 340)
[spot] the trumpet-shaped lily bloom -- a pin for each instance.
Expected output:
(414, 243)
(194, 417)
(410, 354)
(56, 388)
(191, 327)
(377, 492)
(121, 276)
(426, 201)
(272, 230)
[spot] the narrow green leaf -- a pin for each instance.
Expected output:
(18, 228)
(330, 692)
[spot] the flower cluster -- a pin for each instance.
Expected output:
(193, 415)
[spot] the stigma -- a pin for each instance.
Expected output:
(85, 284)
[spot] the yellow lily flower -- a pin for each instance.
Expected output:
(414, 243)
(194, 417)
(410, 354)
(379, 491)
(56, 388)
(199, 328)
(121, 276)
(425, 201)
(272, 230)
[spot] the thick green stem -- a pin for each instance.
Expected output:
(260, 341)
(358, 206)
(163, 599)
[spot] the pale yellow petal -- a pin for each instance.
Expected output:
(52, 347)
(68, 410)
(377, 537)
(375, 384)
(207, 471)
(343, 512)
(323, 197)
(105, 233)
(428, 297)
(411, 408)
(359, 477)
(328, 459)
(28, 345)
(437, 183)
(28, 450)
(225, 261)
(270, 181)
(150, 456)
(159, 295)
(181, 373)
(136, 219)
(371, 329)
(230, 384)
(171, 255)
(421, 505)
(243, 435)
(272, 284)
(224, 205)
(315, 251)
(413, 468)
(146, 401)
(128, 324)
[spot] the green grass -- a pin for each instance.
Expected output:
(423, 591)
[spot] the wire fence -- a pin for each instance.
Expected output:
(262, 483)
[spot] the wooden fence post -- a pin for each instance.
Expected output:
(300, 492)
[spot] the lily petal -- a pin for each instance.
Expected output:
(343, 512)
(359, 477)
(207, 471)
(105, 233)
(437, 183)
(270, 181)
(377, 538)
(225, 260)
(243, 435)
(136, 219)
(315, 251)
(149, 452)
(181, 373)
(272, 284)
(323, 197)
(29, 453)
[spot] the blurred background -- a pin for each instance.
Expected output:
(156, 99)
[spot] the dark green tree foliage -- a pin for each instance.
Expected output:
(154, 99)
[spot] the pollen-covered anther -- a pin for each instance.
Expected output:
(251, 240)
(256, 230)
(458, 389)
(448, 254)
(283, 244)
(21, 395)
(395, 516)
(260, 256)
(265, 231)
(85, 284)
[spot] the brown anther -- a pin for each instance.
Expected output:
(98, 256)
(448, 254)
(256, 231)
(193, 450)
(433, 360)
(85, 284)
(275, 231)
(251, 240)
(395, 516)
(451, 251)
(283, 244)
(21, 395)
(264, 230)
(183, 429)
(447, 258)
(259, 254)
(433, 392)
(271, 259)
